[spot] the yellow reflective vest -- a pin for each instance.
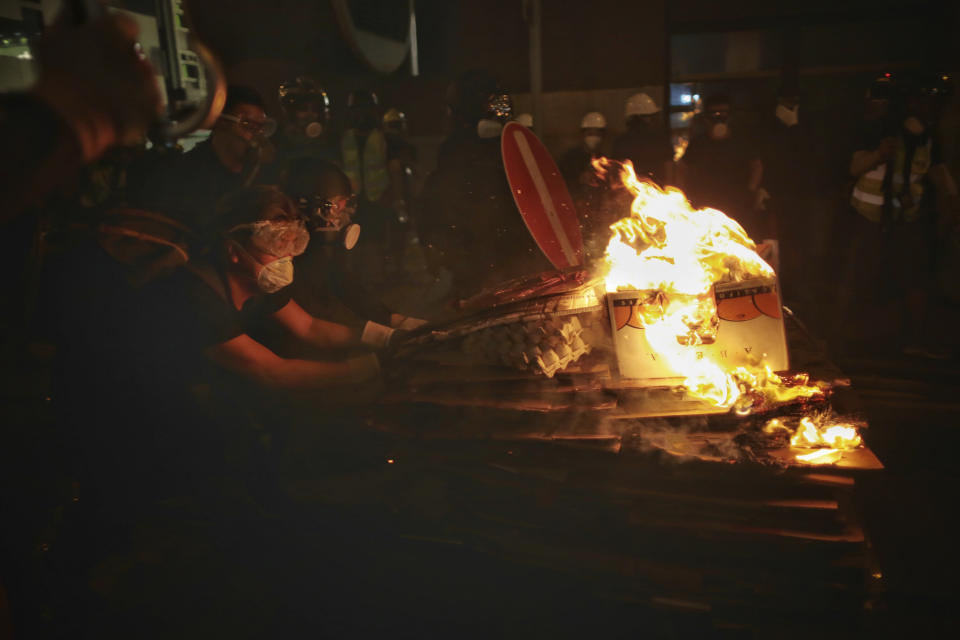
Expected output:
(369, 178)
(868, 196)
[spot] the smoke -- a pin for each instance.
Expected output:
(686, 440)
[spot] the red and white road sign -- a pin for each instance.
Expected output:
(541, 196)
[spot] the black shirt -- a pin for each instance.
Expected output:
(185, 187)
(648, 148)
(469, 217)
(154, 416)
(719, 176)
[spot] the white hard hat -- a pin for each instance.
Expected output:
(593, 120)
(525, 119)
(640, 104)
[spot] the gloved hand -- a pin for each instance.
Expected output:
(97, 78)
(376, 335)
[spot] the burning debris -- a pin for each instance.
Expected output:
(682, 307)
(688, 268)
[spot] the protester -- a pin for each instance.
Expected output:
(901, 186)
(723, 170)
(645, 143)
(326, 285)
(470, 225)
(791, 178)
(186, 187)
(587, 190)
(307, 130)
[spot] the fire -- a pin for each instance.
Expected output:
(836, 436)
(826, 433)
(678, 253)
(820, 456)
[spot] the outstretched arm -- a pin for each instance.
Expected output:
(249, 358)
(314, 331)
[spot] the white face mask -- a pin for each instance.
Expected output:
(275, 275)
(788, 116)
(719, 131)
(914, 126)
(489, 128)
(592, 142)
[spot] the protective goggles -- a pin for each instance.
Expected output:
(277, 237)
(499, 107)
(328, 213)
(265, 128)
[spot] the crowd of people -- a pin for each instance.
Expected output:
(891, 206)
(206, 289)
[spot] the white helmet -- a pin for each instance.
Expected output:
(525, 119)
(593, 120)
(640, 104)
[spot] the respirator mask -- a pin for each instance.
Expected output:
(497, 110)
(284, 238)
(331, 218)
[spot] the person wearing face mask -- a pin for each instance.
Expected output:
(585, 189)
(186, 187)
(576, 161)
(903, 197)
(178, 414)
(722, 170)
(792, 184)
(469, 224)
(367, 153)
(326, 285)
(645, 143)
(306, 129)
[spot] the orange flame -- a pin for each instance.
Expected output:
(826, 433)
(667, 246)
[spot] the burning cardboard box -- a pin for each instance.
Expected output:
(744, 324)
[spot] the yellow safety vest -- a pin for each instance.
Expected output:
(868, 197)
(371, 179)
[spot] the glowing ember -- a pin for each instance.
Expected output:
(678, 253)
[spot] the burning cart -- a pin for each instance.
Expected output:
(638, 425)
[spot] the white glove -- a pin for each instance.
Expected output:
(376, 335)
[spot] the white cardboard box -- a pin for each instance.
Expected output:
(750, 325)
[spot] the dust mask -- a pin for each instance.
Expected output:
(719, 131)
(487, 128)
(592, 142)
(272, 276)
(914, 125)
(788, 116)
(275, 275)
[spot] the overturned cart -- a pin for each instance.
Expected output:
(561, 420)
(640, 500)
